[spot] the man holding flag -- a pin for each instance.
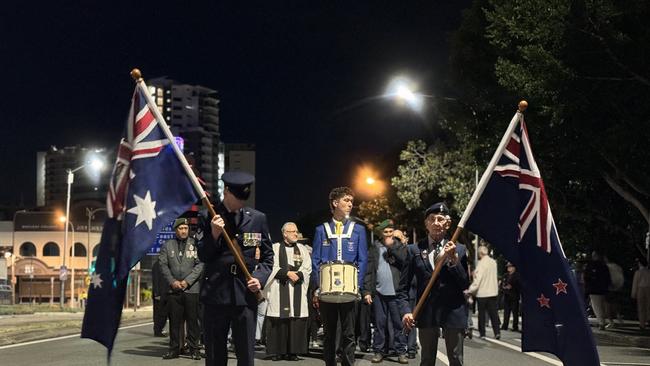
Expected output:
(139, 204)
(510, 210)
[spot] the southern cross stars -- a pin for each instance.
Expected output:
(544, 301)
(560, 286)
(145, 209)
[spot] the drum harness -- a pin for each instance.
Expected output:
(339, 237)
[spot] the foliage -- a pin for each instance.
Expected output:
(434, 173)
(376, 210)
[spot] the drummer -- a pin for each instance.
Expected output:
(353, 250)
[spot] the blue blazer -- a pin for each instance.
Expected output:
(354, 249)
(220, 285)
(445, 306)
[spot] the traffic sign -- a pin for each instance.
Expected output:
(63, 273)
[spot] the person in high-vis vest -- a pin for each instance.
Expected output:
(339, 240)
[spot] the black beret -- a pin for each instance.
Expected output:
(437, 208)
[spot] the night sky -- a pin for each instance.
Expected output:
(298, 80)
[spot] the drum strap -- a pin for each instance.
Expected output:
(339, 244)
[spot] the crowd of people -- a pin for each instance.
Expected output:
(361, 294)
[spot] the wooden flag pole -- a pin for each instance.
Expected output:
(236, 251)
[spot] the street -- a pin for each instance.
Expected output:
(136, 346)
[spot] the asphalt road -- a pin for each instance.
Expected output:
(136, 346)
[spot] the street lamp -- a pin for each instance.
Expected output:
(65, 249)
(91, 215)
(95, 163)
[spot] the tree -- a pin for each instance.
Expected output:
(434, 173)
(582, 67)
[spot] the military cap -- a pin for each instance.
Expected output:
(437, 208)
(181, 221)
(238, 183)
(384, 224)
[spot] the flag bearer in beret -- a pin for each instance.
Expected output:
(445, 306)
(353, 249)
(229, 300)
(181, 269)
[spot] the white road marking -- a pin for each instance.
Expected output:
(443, 358)
(65, 337)
(536, 355)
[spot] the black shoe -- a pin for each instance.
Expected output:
(402, 359)
(196, 355)
(411, 355)
(293, 358)
(504, 328)
(515, 329)
(276, 358)
(170, 355)
(377, 358)
(498, 336)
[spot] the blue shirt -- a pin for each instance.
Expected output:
(384, 275)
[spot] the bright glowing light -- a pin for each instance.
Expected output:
(366, 183)
(7, 255)
(62, 219)
(96, 164)
(403, 91)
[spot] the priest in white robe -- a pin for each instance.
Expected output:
(286, 292)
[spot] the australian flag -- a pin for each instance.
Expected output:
(510, 210)
(148, 189)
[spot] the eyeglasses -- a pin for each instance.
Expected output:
(291, 231)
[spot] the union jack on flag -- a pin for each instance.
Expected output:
(510, 210)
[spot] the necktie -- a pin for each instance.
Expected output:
(339, 228)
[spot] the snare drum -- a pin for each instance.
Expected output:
(338, 282)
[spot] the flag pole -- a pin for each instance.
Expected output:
(236, 251)
(470, 206)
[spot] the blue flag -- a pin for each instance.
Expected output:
(510, 210)
(148, 189)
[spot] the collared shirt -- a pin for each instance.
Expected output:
(435, 249)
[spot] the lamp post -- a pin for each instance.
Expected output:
(96, 164)
(91, 215)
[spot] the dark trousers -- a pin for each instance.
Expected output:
(364, 315)
(453, 343)
(159, 314)
(218, 320)
(387, 315)
(183, 309)
(331, 314)
(488, 305)
(511, 305)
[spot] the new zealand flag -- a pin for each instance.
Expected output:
(148, 189)
(510, 210)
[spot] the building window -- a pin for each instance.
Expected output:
(79, 250)
(27, 249)
(51, 249)
(95, 250)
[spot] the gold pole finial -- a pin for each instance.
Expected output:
(522, 106)
(136, 74)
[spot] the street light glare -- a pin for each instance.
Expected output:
(370, 180)
(96, 164)
(62, 219)
(402, 90)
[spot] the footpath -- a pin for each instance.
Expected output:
(30, 327)
(625, 333)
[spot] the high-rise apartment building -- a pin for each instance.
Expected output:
(51, 176)
(192, 112)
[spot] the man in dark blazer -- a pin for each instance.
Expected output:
(445, 306)
(180, 268)
(229, 300)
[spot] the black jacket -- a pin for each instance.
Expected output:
(445, 305)
(396, 256)
(220, 286)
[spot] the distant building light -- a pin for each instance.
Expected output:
(179, 142)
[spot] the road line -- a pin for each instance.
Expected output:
(624, 363)
(443, 358)
(64, 337)
(536, 355)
